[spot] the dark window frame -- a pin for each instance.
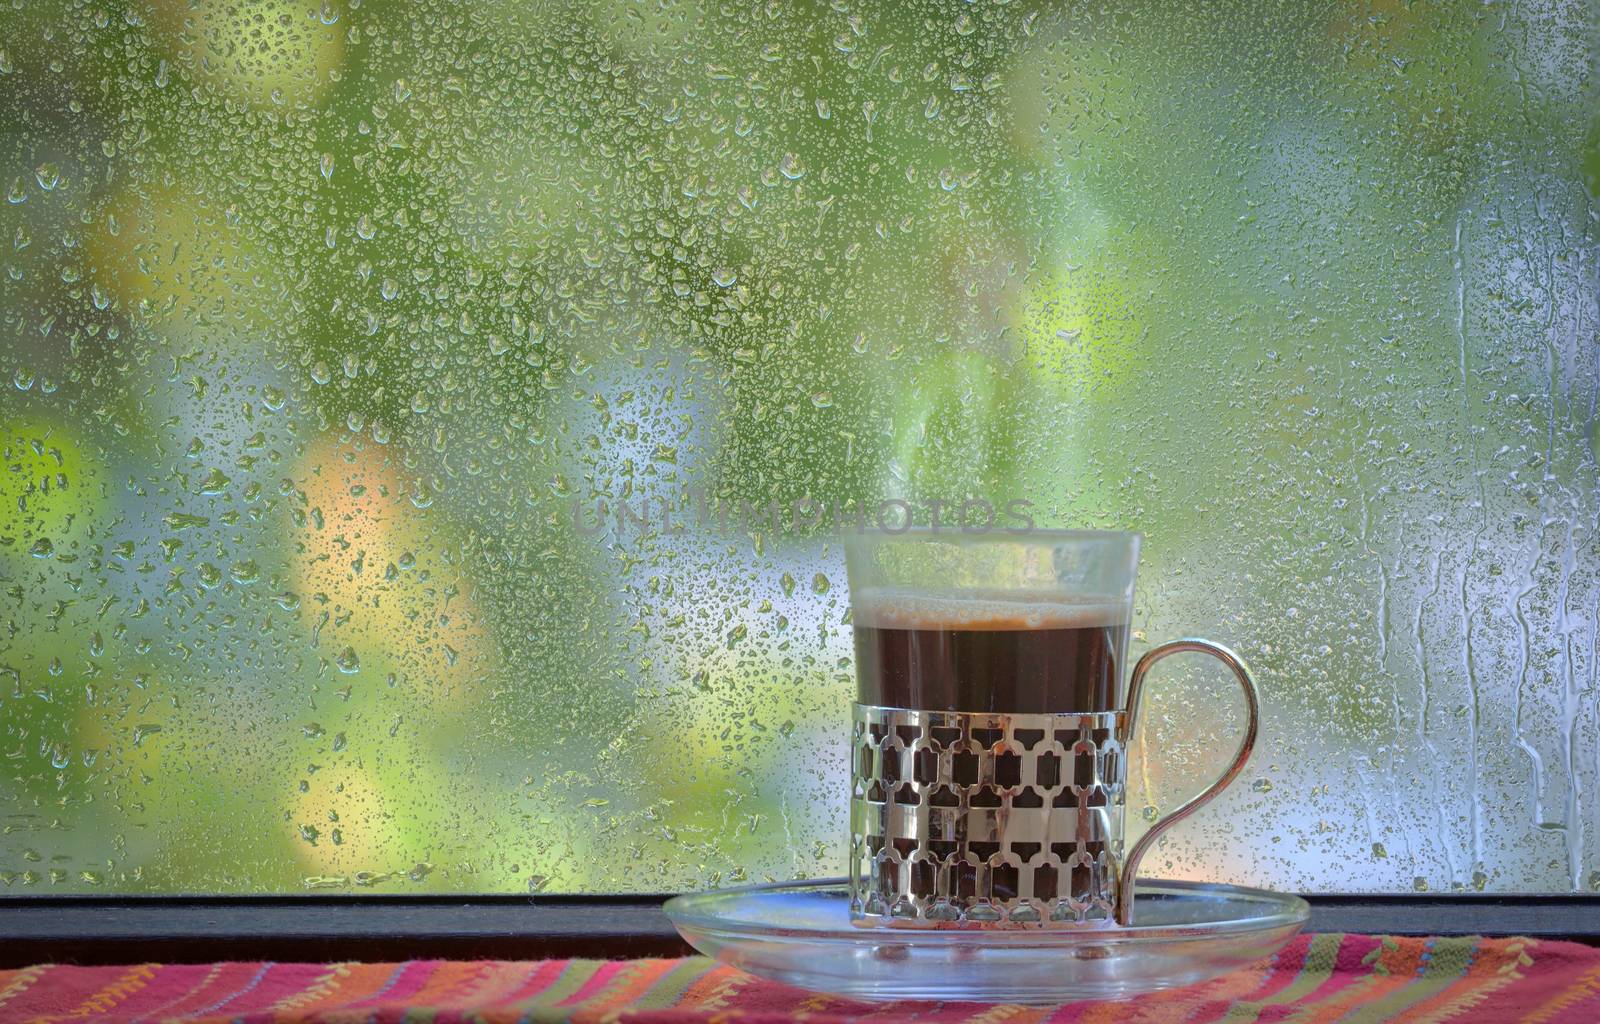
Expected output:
(326, 927)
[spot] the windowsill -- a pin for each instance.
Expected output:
(179, 929)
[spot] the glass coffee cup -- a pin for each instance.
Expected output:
(991, 727)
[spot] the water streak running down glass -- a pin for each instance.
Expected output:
(427, 430)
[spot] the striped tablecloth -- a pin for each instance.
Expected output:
(1354, 978)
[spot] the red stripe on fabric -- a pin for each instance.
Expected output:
(1540, 964)
(1078, 1013)
(1585, 1011)
(62, 990)
(1064, 1014)
(1578, 1002)
(86, 992)
(172, 982)
(408, 979)
(230, 977)
(283, 982)
(1477, 987)
(1349, 968)
(615, 999)
(454, 984)
(1282, 973)
(1194, 1001)
(172, 998)
(347, 983)
(595, 983)
(645, 974)
(14, 983)
(703, 987)
(489, 985)
(1551, 982)
(514, 1007)
(1396, 964)
(250, 987)
(1287, 968)
(680, 1016)
(707, 994)
(544, 975)
(1075, 1013)
(1215, 1000)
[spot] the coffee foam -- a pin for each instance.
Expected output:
(892, 608)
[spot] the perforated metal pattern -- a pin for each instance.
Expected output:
(985, 819)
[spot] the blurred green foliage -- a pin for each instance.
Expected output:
(320, 321)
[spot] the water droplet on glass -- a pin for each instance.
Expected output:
(215, 482)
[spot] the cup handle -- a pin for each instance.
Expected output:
(1252, 701)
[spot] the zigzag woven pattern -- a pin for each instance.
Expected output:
(1317, 979)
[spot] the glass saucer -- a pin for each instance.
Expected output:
(800, 933)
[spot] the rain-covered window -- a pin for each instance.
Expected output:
(427, 430)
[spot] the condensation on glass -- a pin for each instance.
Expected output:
(425, 429)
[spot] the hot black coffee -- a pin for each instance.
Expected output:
(992, 655)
